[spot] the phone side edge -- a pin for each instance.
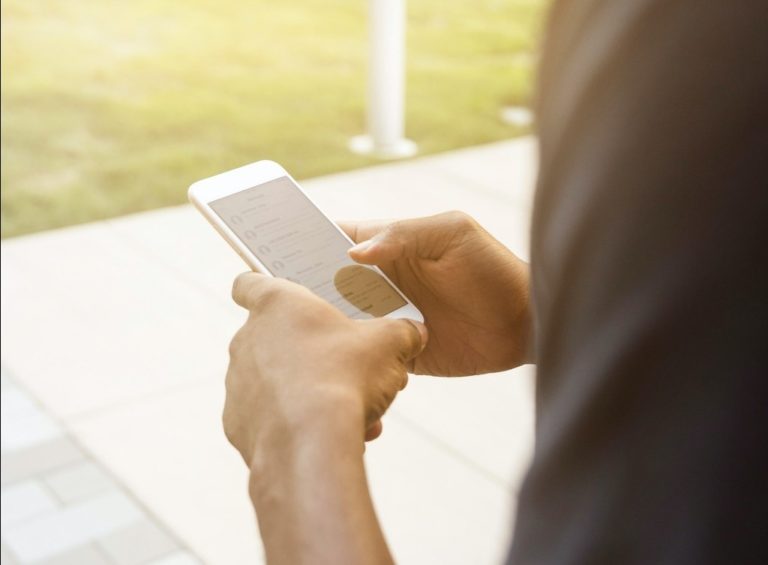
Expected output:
(225, 232)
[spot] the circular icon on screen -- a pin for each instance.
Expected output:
(367, 290)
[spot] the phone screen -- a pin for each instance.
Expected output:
(295, 241)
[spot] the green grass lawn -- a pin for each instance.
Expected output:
(110, 107)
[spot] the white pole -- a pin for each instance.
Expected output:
(386, 83)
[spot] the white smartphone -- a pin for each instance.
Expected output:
(277, 229)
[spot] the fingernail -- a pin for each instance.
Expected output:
(362, 246)
(422, 332)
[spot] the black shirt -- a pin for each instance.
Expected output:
(650, 289)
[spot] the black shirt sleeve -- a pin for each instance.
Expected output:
(650, 288)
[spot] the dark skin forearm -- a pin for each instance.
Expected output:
(311, 497)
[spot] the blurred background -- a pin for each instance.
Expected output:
(113, 107)
(115, 293)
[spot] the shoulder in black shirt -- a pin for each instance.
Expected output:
(650, 288)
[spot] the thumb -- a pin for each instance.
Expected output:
(423, 238)
(405, 338)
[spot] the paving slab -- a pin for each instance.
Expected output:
(25, 500)
(433, 507)
(42, 457)
(67, 528)
(137, 543)
(85, 554)
(23, 423)
(59, 507)
(172, 454)
(486, 420)
(178, 558)
(77, 481)
(431, 502)
(88, 321)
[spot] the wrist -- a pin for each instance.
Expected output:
(523, 315)
(311, 496)
(313, 435)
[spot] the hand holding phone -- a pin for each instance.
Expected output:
(472, 290)
(275, 227)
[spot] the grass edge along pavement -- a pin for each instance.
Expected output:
(116, 107)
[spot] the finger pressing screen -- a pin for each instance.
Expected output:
(360, 231)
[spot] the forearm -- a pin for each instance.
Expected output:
(311, 497)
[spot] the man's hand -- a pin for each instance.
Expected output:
(305, 386)
(472, 290)
(298, 360)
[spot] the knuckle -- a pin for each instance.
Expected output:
(406, 334)
(264, 297)
(398, 338)
(397, 233)
(393, 230)
(240, 282)
(254, 292)
(409, 336)
(460, 220)
(311, 317)
(235, 344)
(353, 230)
(226, 424)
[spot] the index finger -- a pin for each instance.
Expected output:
(363, 231)
(247, 287)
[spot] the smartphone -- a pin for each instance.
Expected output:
(265, 216)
